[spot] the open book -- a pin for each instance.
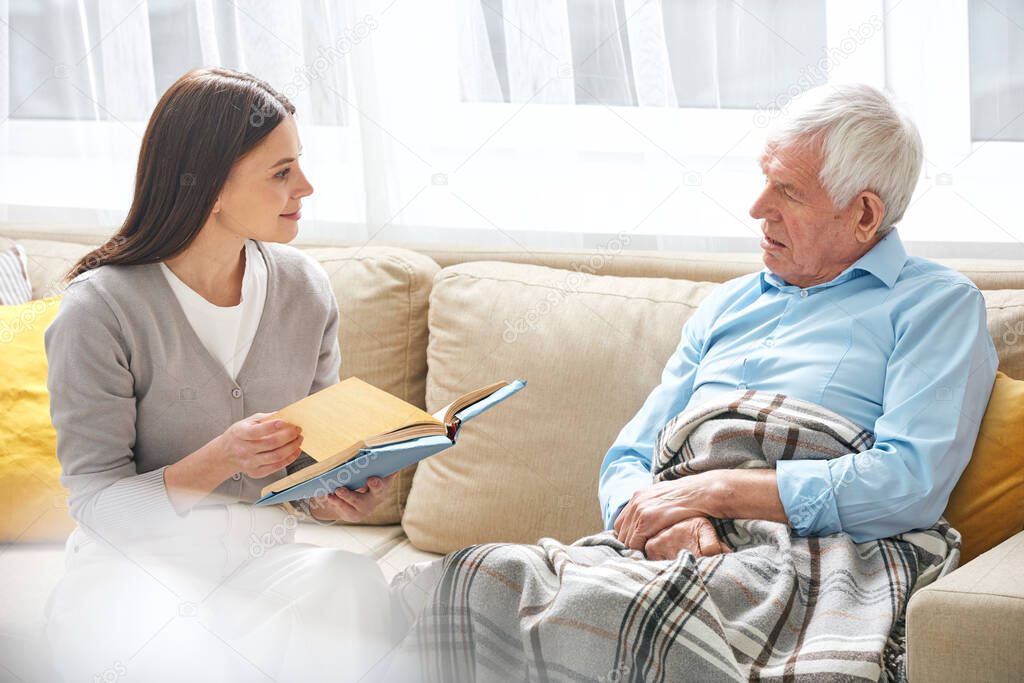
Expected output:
(353, 431)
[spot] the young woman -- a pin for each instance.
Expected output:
(193, 321)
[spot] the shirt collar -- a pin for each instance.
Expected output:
(885, 261)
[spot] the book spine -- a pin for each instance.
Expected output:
(453, 429)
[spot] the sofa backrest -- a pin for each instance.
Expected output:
(1001, 281)
(987, 274)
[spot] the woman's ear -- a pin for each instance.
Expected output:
(870, 212)
(216, 206)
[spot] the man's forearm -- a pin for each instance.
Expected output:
(747, 494)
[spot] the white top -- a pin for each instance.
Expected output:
(226, 331)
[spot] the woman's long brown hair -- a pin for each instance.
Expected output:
(204, 123)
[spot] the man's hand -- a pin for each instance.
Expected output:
(723, 494)
(653, 510)
(696, 534)
(346, 505)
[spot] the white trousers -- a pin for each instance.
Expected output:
(227, 596)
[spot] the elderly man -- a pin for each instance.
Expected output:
(777, 499)
(840, 316)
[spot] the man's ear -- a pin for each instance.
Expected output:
(870, 210)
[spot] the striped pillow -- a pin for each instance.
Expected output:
(14, 285)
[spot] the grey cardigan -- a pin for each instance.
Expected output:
(133, 389)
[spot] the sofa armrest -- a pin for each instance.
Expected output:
(969, 625)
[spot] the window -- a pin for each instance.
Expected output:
(997, 70)
(85, 76)
(530, 123)
(676, 54)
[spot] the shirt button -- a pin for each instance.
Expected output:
(236, 476)
(236, 392)
(803, 293)
(769, 342)
(741, 385)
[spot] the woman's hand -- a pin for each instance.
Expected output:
(659, 507)
(259, 449)
(696, 534)
(346, 505)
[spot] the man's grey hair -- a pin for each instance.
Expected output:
(866, 142)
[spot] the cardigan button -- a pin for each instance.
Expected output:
(236, 476)
(236, 392)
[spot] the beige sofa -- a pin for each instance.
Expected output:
(590, 332)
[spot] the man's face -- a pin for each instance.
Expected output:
(808, 240)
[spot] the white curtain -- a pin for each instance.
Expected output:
(110, 59)
(663, 53)
(573, 156)
(378, 85)
(997, 70)
(652, 71)
(505, 123)
(80, 79)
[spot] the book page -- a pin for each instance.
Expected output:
(468, 399)
(351, 411)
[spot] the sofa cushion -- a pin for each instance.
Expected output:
(1006, 325)
(987, 505)
(529, 468)
(382, 294)
(372, 541)
(402, 554)
(15, 288)
(33, 504)
(49, 261)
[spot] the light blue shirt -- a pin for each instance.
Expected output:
(898, 345)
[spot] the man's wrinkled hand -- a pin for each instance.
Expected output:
(696, 534)
(346, 505)
(652, 510)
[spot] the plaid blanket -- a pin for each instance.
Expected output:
(781, 607)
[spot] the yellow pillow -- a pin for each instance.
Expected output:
(33, 504)
(987, 505)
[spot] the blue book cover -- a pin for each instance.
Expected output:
(380, 461)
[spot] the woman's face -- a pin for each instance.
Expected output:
(263, 193)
